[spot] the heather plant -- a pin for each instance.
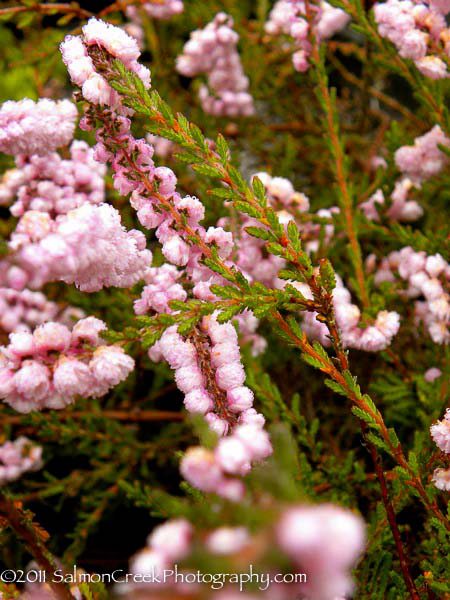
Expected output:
(224, 299)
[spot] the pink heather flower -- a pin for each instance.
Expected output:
(189, 378)
(177, 352)
(326, 541)
(432, 284)
(251, 417)
(231, 489)
(166, 179)
(227, 540)
(255, 439)
(171, 539)
(441, 479)
(198, 401)
(52, 337)
(332, 20)
(289, 17)
(240, 399)
(28, 127)
(231, 375)
(219, 426)
(401, 208)
(213, 51)
(415, 29)
(116, 42)
(233, 456)
(149, 562)
(164, 9)
(163, 148)
(198, 466)
(21, 344)
(24, 310)
(432, 289)
(424, 159)
(17, 458)
(388, 323)
(432, 67)
(113, 39)
(222, 354)
(72, 377)
(88, 330)
(335, 531)
(110, 365)
(432, 374)
(220, 333)
(88, 246)
(440, 432)
(47, 370)
(373, 338)
(176, 251)
(54, 185)
(32, 381)
(161, 289)
(435, 265)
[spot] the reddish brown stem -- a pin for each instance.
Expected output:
(118, 415)
(21, 524)
(390, 512)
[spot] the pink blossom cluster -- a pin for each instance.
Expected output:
(424, 159)
(167, 544)
(162, 287)
(289, 204)
(18, 457)
(440, 432)
(401, 207)
(432, 374)
(326, 541)
(11, 275)
(419, 31)
(208, 370)
(149, 185)
(281, 193)
(163, 148)
(51, 366)
(250, 255)
(117, 43)
(253, 262)
(28, 127)
(24, 310)
(52, 184)
(87, 246)
(153, 193)
(417, 163)
(248, 325)
(213, 51)
(64, 234)
(289, 17)
(427, 277)
(153, 189)
(372, 338)
(159, 9)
